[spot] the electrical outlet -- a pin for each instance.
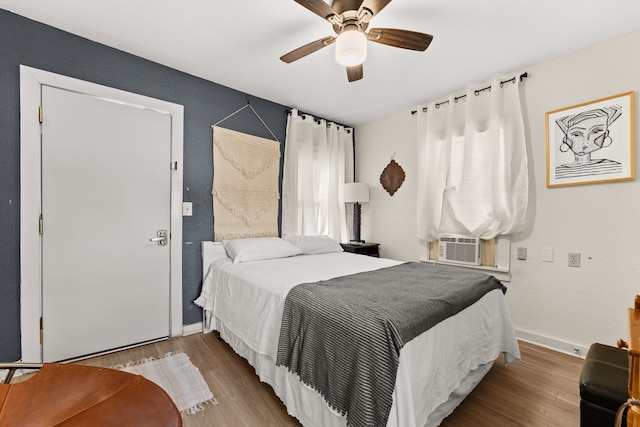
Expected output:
(574, 260)
(522, 254)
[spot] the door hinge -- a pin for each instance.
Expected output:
(174, 166)
(41, 332)
(40, 224)
(40, 114)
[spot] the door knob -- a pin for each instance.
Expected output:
(161, 239)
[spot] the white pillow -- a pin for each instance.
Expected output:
(315, 244)
(214, 251)
(256, 249)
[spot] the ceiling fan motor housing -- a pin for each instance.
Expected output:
(341, 6)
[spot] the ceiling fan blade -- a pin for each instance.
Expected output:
(375, 6)
(400, 38)
(354, 72)
(319, 7)
(305, 50)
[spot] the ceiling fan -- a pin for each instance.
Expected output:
(350, 20)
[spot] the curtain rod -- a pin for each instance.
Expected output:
(475, 92)
(319, 120)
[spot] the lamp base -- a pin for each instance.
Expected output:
(356, 242)
(356, 223)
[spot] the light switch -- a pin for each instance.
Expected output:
(547, 254)
(187, 209)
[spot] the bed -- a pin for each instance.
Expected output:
(244, 302)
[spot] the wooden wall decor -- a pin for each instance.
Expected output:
(392, 177)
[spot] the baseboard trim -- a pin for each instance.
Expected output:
(552, 343)
(194, 328)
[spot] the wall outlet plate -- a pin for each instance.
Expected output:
(574, 260)
(522, 254)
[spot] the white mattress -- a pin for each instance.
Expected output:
(437, 369)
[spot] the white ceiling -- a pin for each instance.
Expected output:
(238, 43)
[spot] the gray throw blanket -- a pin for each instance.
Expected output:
(343, 336)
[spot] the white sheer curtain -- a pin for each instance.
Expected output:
(318, 160)
(472, 164)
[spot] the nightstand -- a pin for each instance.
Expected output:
(366, 248)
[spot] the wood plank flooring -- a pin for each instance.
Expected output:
(539, 390)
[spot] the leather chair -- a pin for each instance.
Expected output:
(604, 383)
(74, 395)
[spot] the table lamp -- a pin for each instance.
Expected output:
(356, 193)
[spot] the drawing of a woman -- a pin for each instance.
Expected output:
(585, 133)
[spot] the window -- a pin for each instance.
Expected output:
(472, 166)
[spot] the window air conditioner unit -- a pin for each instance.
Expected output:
(459, 250)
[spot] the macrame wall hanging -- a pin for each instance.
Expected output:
(245, 183)
(392, 177)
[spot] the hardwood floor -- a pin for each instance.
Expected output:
(541, 389)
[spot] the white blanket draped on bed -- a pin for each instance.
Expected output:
(245, 302)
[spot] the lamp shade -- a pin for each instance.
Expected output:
(351, 48)
(356, 192)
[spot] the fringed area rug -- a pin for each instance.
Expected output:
(175, 373)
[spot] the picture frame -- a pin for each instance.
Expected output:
(592, 142)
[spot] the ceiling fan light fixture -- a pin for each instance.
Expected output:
(351, 48)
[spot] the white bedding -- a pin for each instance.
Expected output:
(244, 302)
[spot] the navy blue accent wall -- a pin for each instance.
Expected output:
(23, 41)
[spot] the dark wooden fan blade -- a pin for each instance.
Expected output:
(400, 38)
(319, 7)
(305, 50)
(375, 6)
(354, 72)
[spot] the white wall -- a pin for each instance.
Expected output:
(389, 220)
(550, 303)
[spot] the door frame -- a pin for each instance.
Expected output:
(31, 80)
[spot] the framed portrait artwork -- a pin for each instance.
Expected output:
(592, 142)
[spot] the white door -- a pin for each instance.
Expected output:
(105, 194)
